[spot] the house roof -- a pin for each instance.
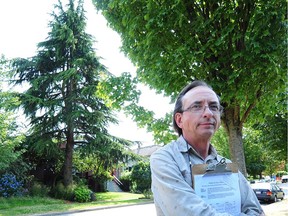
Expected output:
(146, 151)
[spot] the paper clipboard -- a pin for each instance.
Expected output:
(207, 169)
(218, 185)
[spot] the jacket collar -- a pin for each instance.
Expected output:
(182, 145)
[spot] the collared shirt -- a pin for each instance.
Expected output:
(172, 182)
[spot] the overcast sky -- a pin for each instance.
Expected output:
(24, 24)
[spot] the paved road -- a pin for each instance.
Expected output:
(279, 208)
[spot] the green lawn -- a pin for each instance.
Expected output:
(37, 205)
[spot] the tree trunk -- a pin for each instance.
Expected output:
(67, 172)
(233, 127)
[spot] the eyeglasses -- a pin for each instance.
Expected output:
(199, 108)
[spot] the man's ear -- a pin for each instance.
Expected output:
(178, 119)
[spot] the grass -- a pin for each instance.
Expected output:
(38, 205)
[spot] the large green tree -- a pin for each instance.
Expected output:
(238, 46)
(61, 101)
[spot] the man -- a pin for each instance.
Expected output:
(196, 118)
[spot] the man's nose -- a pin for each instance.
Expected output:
(207, 110)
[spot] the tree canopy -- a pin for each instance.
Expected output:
(238, 47)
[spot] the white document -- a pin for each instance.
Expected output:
(220, 190)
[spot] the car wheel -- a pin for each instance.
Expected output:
(275, 199)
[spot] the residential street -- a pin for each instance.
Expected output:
(279, 208)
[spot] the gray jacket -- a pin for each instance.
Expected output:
(172, 183)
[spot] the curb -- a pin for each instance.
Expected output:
(91, 209)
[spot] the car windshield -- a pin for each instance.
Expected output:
(277, 187)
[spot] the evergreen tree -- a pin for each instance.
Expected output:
(61, 100)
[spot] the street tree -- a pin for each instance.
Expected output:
(239, 47)
(61, 101)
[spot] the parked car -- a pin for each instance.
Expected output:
(284, 178)
(268, 192)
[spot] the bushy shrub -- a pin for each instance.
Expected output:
(82, 194)
(125, 179)
(38, 189)
(9, 186)
(141, 177)
(148, 194)
(62, 192)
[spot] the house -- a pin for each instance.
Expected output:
(145, 152)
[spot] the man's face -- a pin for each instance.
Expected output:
(199, 122)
